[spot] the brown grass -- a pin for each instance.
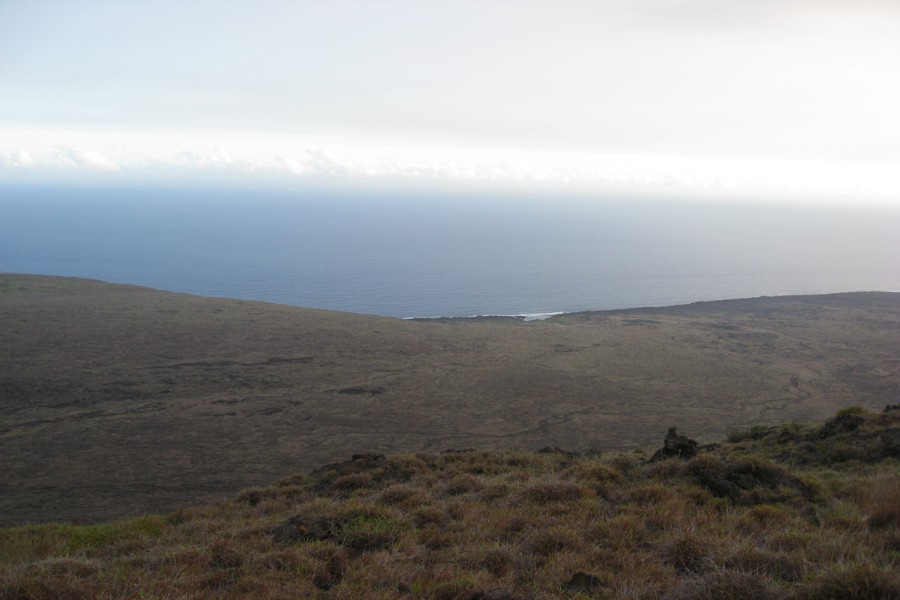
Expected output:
(501, 525)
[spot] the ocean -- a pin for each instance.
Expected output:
(408, 254)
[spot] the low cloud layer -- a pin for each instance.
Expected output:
(39, 157)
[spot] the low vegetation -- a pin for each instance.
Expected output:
(117, 400)
(793, 511)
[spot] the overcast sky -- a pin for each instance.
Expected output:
(781, 95)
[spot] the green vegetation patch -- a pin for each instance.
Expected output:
(60, 539)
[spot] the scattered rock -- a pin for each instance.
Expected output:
(301, 528)
(358, 463)
(583, 582)
(251, 497)
(367, 456)
(676, 446)
(733, 480)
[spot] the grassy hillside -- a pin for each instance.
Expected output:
(117, 400)
(787, 512)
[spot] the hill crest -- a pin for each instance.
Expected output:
(119, 399)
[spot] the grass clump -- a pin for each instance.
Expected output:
(744, 519)
(853, 409)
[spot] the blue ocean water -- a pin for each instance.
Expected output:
(427, 254)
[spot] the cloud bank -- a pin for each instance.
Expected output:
(47, 156)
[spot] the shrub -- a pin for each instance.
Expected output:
(853, 409)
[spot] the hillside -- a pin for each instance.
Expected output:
(117, 400)
(792, 512)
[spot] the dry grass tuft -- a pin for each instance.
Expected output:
(853, 582)
(733, 522)
(552, 490)
(728, 585)
(882, 503)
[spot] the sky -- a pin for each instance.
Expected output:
(770, 98)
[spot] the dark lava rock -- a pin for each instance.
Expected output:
(676, 446)
(251, 497)
(302, 528)
(306, 528)
(583, 582)
(359, 463)
(367, 456)
(732, 480)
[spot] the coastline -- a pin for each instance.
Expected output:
(725, 303)
(524, 317)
